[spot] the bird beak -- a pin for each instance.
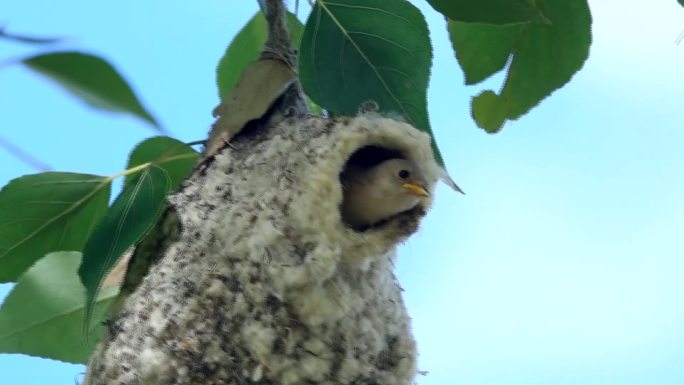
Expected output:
(416, 189)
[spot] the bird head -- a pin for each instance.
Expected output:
(381, 191)
(400, 176)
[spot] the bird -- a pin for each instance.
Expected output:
(373, 194)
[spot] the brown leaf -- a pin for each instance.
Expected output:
(260, 84)
(116, 275)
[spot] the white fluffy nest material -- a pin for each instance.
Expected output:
(267, 285)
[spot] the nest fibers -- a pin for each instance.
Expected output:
(267, 285)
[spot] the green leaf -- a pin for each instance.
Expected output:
(490, 109)
(43, 314)
(355, 51)
(174, 156)
(490, 11)
(132, 215)
(545, 57)
(482, 49)
(681, 2)
(91, 79)
(246, 48)
(47, 212)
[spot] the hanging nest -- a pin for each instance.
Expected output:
(267, 284)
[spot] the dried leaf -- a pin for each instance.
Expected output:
(260, 84)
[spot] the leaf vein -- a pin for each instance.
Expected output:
(383, 39)
(373, 9)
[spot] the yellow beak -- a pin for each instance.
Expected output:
(416, 189)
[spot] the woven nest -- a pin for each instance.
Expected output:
(267, 284)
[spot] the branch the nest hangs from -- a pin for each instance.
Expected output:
(267, 90)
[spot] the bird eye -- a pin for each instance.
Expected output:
(403, 174)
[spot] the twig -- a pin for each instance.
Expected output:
(29, 39)
(23, 156)
(197, 143)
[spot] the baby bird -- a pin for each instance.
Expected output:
(381, 191)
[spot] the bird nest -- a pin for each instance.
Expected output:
(267, 284)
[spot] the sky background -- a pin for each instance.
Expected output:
(563, 264)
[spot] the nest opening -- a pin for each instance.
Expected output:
(371, 155)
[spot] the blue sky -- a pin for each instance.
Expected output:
(561, 265)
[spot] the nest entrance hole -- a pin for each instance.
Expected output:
(367, 157)
(371, 155)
